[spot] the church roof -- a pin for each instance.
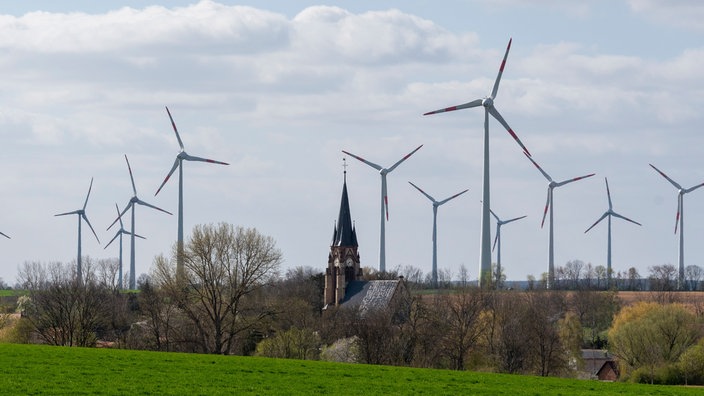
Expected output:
(370, 295)
(344, 233)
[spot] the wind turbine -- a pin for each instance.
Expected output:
(497, 241)
(131, 204)
(119, 233)
(178, 163)
(436, 204)
(488, 104)
(81, 216)
(609, 213)
(384, 201)
(679, 220)
(549, 205)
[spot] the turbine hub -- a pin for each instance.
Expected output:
(488, 102)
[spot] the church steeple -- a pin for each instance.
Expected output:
(343, 260)
(344, 233)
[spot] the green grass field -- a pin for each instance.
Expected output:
(33, 369)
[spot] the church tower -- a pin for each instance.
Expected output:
(343, 260)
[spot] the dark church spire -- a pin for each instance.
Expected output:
(345, 233)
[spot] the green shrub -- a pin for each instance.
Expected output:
(691, 365)
(668, 374)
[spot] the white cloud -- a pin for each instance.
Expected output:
(683, 14)
(279, 97)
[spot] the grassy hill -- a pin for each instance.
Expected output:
(33, 369)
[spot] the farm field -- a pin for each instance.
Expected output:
(33, 369)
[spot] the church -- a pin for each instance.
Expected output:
(344, 282)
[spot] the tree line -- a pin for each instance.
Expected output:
(233, 299)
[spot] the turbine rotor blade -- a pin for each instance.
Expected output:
(693, 188)
(423, 192)
(119, 215)
(545, 212)
(452, 197)
(70, 213)
(89, 225)
(386, 197)
(474, 103)
(496, 238)
(495, 90)
(539, 168)
(679, 210)
(117, 234)
(608, 193)
(5, 235)
(495, 114)
(173, 168)
(495, 216)
(139, 201)
(597, 222)
(373, 165)
(173, 124)
(514, 219)
(188, 157)
(674, 183)
(562, 183)
(625, 218)
(136, 235)
(403, 159)
(88, 195)
(134, 189)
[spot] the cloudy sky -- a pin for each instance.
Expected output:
(278, 89)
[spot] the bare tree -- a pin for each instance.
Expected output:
(223, 265)
(633, 279)
(589, 275)
(544, 310)
(457, 324)
(663, 277)
(573, 272)
(106, 272)
(693, 274)
(62, 309)
(600, 275)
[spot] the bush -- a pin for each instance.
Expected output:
(291, 344)
(663, 375)
(17, 331)
(344, 350)
(691, 365)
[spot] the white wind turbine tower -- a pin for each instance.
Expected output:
(549, 205)
(384, 201)
(488, 104)
(679, 220)
(497, 241)
(119, 233)
(131, 204)
(81, 217)
(178, 163)
(609, 213)
(436, 204)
